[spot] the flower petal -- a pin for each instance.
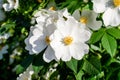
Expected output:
(80, 34)
(61, 50)
(78, 50)
(99, 6)
(91, 19)
(49, 54)
(28, 45)
(76, 15)
(111, 17)
(38, 44)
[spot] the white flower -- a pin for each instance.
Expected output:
(39, 37)
(51, 70)
(111, 9)
(69, 40)
(27, 74)
(88, 18)
(3, 50)
(12, 4)
(39, 40)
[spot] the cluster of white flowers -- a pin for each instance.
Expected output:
(51, 70)
(26, 75)
(62, 35)
(111, 9)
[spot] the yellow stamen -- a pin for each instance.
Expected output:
(116, 2)
(52, 8)
(68, 40)
(47, 40)
(83, 20)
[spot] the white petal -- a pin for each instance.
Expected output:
(28, 45)
(8, 7)
(50, 29)
(38, 31)
(56, 43)
(111, 17)
(61, 50)
(80, 35)
(91, 19)
(95, 25)
(66, 27)
(65, 12)
(49, 54)
(78, 50)
(76, 15)
(99, 6)
(38, 44)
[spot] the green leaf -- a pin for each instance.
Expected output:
(79, 75)
(110, 44)
(92, 65)
(114, 32)
(37, 69)
(96, 36)
(72, 64)
(19, 69)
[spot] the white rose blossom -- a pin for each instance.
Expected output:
(88, 19)
(111, 9)
(12, 4)
(69, 40)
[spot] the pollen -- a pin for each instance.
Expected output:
(116, 2)
(47, 40)
(67, 40)
(83, 20)
(52, 8)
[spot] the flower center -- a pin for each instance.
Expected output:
(67, 40)
(116, 2)
(83, 20)
(52, 8)
(47, 40)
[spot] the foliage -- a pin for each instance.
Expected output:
(101, 63)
